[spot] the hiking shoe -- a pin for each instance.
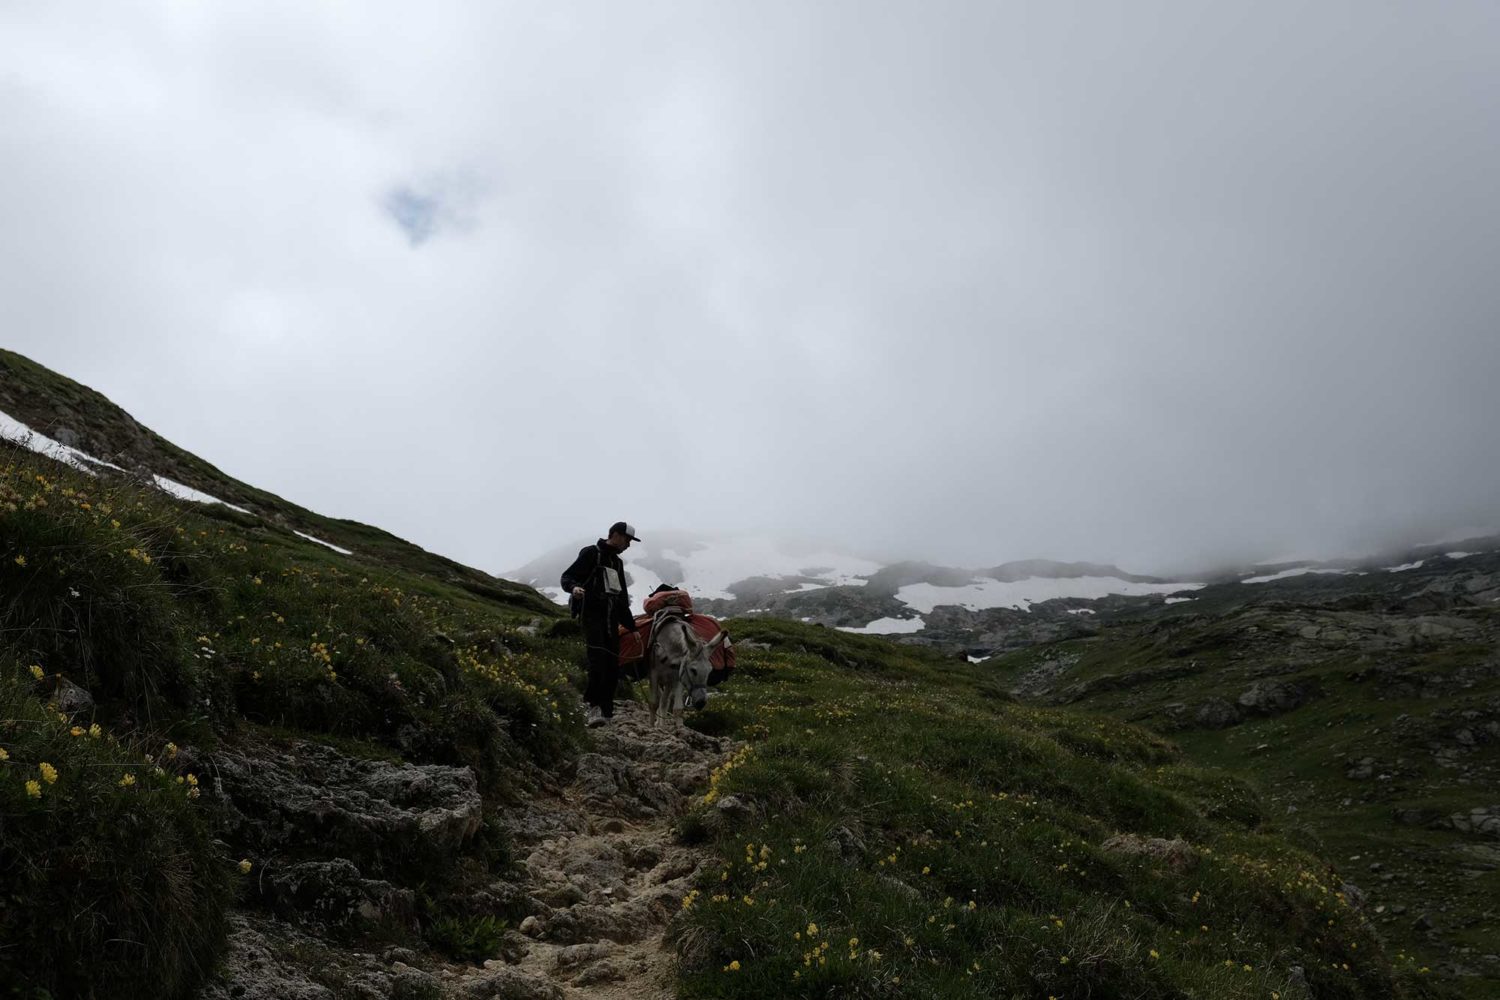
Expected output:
(595, 718)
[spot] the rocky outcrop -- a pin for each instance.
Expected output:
(1481, 820)
(284, 798)
(1273, 697)
(261, 962)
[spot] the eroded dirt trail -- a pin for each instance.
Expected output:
(602, 870)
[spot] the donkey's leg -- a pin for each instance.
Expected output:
(663, 697)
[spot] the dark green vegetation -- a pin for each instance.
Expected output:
(899, 826)
(1366, 711)
(149, 643)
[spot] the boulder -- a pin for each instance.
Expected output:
(1216, 713)
(69, 698)
(1176, 853)
(333, 894)
(509, 984)
(1481, 820)
(1271, 697)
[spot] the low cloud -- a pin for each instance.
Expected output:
(969, 282)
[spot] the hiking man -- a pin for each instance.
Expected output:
(596, 583)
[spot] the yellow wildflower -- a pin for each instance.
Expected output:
(127, 779)
(34, 789)
(20, 560)
(95, 731)
(3, 754)
(245, 866)
(37, 672)
(49, 773)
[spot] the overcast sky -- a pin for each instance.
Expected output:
(1156, 283)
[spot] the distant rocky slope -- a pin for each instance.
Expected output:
(984, 610)
(979, 612)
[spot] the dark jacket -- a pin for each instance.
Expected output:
(599, 608)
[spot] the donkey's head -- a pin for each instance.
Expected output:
(697, 667)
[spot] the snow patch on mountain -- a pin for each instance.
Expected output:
(16, 432)
(709, 568)
(310, 538)
(1295, 571)
(184, 492)
(887, 626)
(983, 594)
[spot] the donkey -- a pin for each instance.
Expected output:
(678, 664)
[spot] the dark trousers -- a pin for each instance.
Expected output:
(604, 665)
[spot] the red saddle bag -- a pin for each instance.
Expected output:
(633, 645)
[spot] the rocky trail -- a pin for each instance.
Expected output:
(603, 872)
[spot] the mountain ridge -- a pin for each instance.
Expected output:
(80, 417)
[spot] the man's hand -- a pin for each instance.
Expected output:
(578, 592)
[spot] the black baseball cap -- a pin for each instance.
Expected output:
(622, 528)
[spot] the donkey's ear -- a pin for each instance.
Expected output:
(718, 640)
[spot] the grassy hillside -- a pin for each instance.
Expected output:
(898, 826)
(1370, 728)
(145, 640)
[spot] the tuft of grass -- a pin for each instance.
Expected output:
(108, 872)
(467, 939)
